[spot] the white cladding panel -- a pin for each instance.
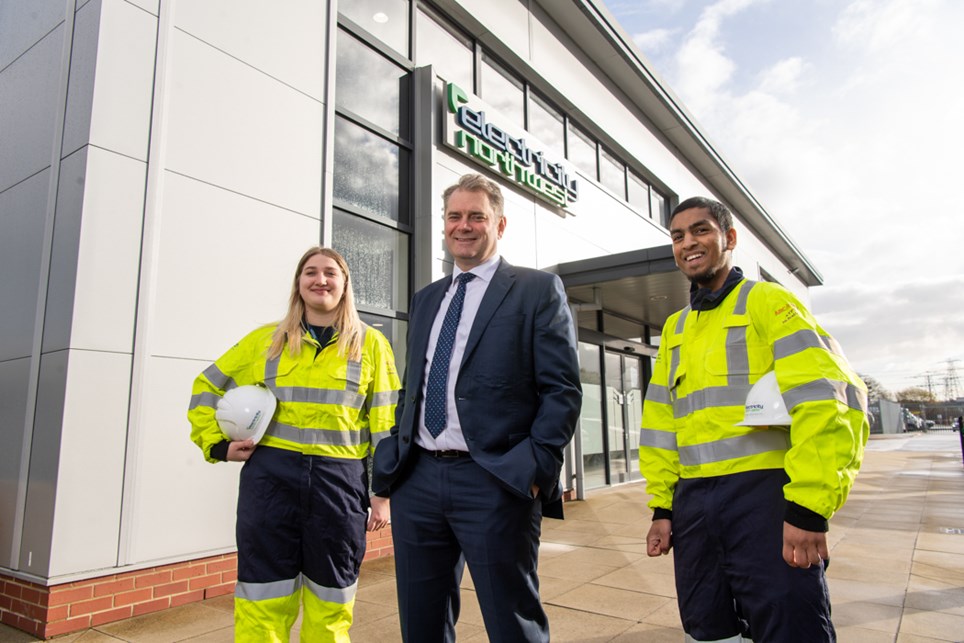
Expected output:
(108, 253)
(90, 476)
(150, 6)
(225, 267)
(283, 41)
(123, 90)
(181, 505)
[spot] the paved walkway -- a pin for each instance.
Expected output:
(897, 573)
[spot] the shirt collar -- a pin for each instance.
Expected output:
(484, 271)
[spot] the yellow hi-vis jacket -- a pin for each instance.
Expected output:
(327, 405)
(706, 364)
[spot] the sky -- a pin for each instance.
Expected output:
(845, 118)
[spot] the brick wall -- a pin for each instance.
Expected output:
(60, 609)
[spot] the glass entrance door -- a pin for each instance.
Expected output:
(624, 405)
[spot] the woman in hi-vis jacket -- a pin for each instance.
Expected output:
(303, 502)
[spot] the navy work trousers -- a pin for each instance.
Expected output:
(730, 574)
(301, 523)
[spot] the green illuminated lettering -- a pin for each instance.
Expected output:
(456, 95)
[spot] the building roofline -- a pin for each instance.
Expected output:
(673, 121)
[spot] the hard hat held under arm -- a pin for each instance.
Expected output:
(707, 365)
(765, 405)
(238, 366)
(328, 405)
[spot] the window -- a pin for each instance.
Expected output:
(449, 52)
(612, 173)
(369, 85)
(638, 194)
(659, 208)
(369, 171)
(378, 258)
(387, 20)
(581, 148)
(502, 91)
(547, 124)
(395, 330)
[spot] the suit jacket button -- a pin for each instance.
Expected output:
(405, 439)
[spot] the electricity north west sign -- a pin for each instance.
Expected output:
(498, 149)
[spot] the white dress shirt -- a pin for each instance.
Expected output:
(451, 436)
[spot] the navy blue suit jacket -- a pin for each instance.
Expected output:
(517, 393)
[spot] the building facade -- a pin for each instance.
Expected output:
(164, 163)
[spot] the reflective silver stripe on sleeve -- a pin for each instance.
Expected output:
(267, 591)
(824, 390)
(657, 393)
(206, 398)
(326, 437)
(351, 399)
(385, 398)
(216, 377)
(674, 359)
(712, 396)
(271, 371)
(353, 372)
(737, 357)
(761, 441)
(801, 341)
(742, 296)
(657, 439)
(340, 595)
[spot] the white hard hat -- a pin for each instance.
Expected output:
(765, 405)
(245, 412)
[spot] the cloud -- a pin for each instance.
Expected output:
(784, 77)
(854, 147)
(654, 41)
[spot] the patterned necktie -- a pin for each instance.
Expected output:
(438, 375)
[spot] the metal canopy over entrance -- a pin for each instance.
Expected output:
(640, 287)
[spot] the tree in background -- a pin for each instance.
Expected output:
(875, 390)
(915, 394)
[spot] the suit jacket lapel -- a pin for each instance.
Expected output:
(502, 282)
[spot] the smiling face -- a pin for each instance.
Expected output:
(321, 286)
(701, 248)
(472, 228)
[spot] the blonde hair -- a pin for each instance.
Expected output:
(291, 329)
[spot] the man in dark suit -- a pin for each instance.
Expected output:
(490, 399)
